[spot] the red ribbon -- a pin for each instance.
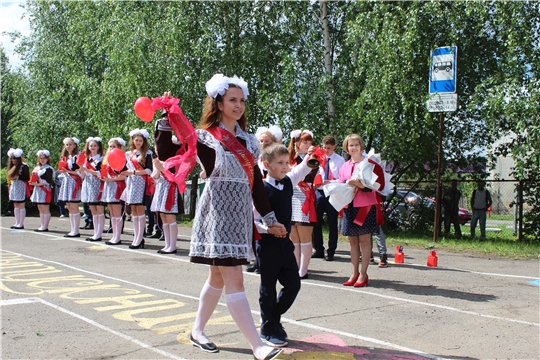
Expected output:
(78, 183)
(150, 188)
(244, 157)
(48, 193)
(309, 204)
(186, 156)
(170, 196)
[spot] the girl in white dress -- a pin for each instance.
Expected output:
(304, 214)
(113, 185)
(138, 182)
(91, 186)
(42, 180)
(223, 226)
(19, 174)
(70, 190)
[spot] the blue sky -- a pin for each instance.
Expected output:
(11, 13)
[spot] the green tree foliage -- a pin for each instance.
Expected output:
(85, 64)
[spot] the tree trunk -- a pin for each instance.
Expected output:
(327, 63)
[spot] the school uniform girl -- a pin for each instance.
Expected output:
(167, 200)
(91, 186)
(304, 215)
(42, 180)
(70, 190)
(113, 184)
(138, 183)
(19, 174)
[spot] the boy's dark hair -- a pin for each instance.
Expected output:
(273, 151)
(329, 140)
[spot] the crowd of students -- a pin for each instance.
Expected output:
(262, 202)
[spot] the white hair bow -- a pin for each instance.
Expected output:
(219, 84)
(119, 140)
(96, 139)
(15, 153)
(68, 139)
(43, 152)
(142, 132)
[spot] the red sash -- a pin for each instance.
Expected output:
(244, 157)
(107, 171)
(88, 165)
(309, 205)
(169, 202)
(150, 188)
(78, 183)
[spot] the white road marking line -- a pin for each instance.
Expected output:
(175, 258)
(298, 323)
(103, 327)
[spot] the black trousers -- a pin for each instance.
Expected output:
(276, 263)
(323, 206)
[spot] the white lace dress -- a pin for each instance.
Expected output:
(223, 225)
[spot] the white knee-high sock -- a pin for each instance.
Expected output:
(22, 215)
(74, 220)
(116, 223)
(135, 220)
(138, 226)
(208, 301)
(173, 231)
(95, 221)
(46, 220)
(41, 222)
(305, 250)
(142, 225)
(17, 216)
(297, 253)
(241, 313)
(166, 235)
(98, 230)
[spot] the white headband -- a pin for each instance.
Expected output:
(141, 132)
(68, 139)
(43, 152)
(119, 140)
(96, 139)
(273, 129)
(219, 84)
(15, 153)
(297, 133)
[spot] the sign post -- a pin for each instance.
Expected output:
(442, 88)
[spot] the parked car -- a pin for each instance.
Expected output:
(464, 215)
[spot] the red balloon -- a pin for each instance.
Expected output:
(143, 109)
(116, 159)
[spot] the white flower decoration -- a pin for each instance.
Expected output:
(295, 134)
(307, 132)
(68, 139)
(276, 131)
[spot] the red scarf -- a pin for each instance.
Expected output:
(105, 171)
(244, 157)
(309, 204)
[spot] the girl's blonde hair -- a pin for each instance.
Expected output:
(353, 137)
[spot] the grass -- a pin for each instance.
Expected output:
(502, 244)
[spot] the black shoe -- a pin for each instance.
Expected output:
(70, 236)
(383, 262)
(167, 252)
(157, 235)
(111, 243)
(17, 227)
(208, 347)
(92, 239)
(329, 258)
(304, 277)
(8, 213)
(318, 255)
(273, 354)
(253, 268)
(140, 246)
(44, 230)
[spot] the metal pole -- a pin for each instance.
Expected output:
(438, 195)
(520, 206)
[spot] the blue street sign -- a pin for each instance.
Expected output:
(443, 70)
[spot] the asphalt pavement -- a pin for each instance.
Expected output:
(66, 298)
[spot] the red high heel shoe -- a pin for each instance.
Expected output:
(363, 283)
(351, 282)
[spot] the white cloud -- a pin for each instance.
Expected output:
(12, 18)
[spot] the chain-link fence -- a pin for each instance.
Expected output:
(413, 208)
